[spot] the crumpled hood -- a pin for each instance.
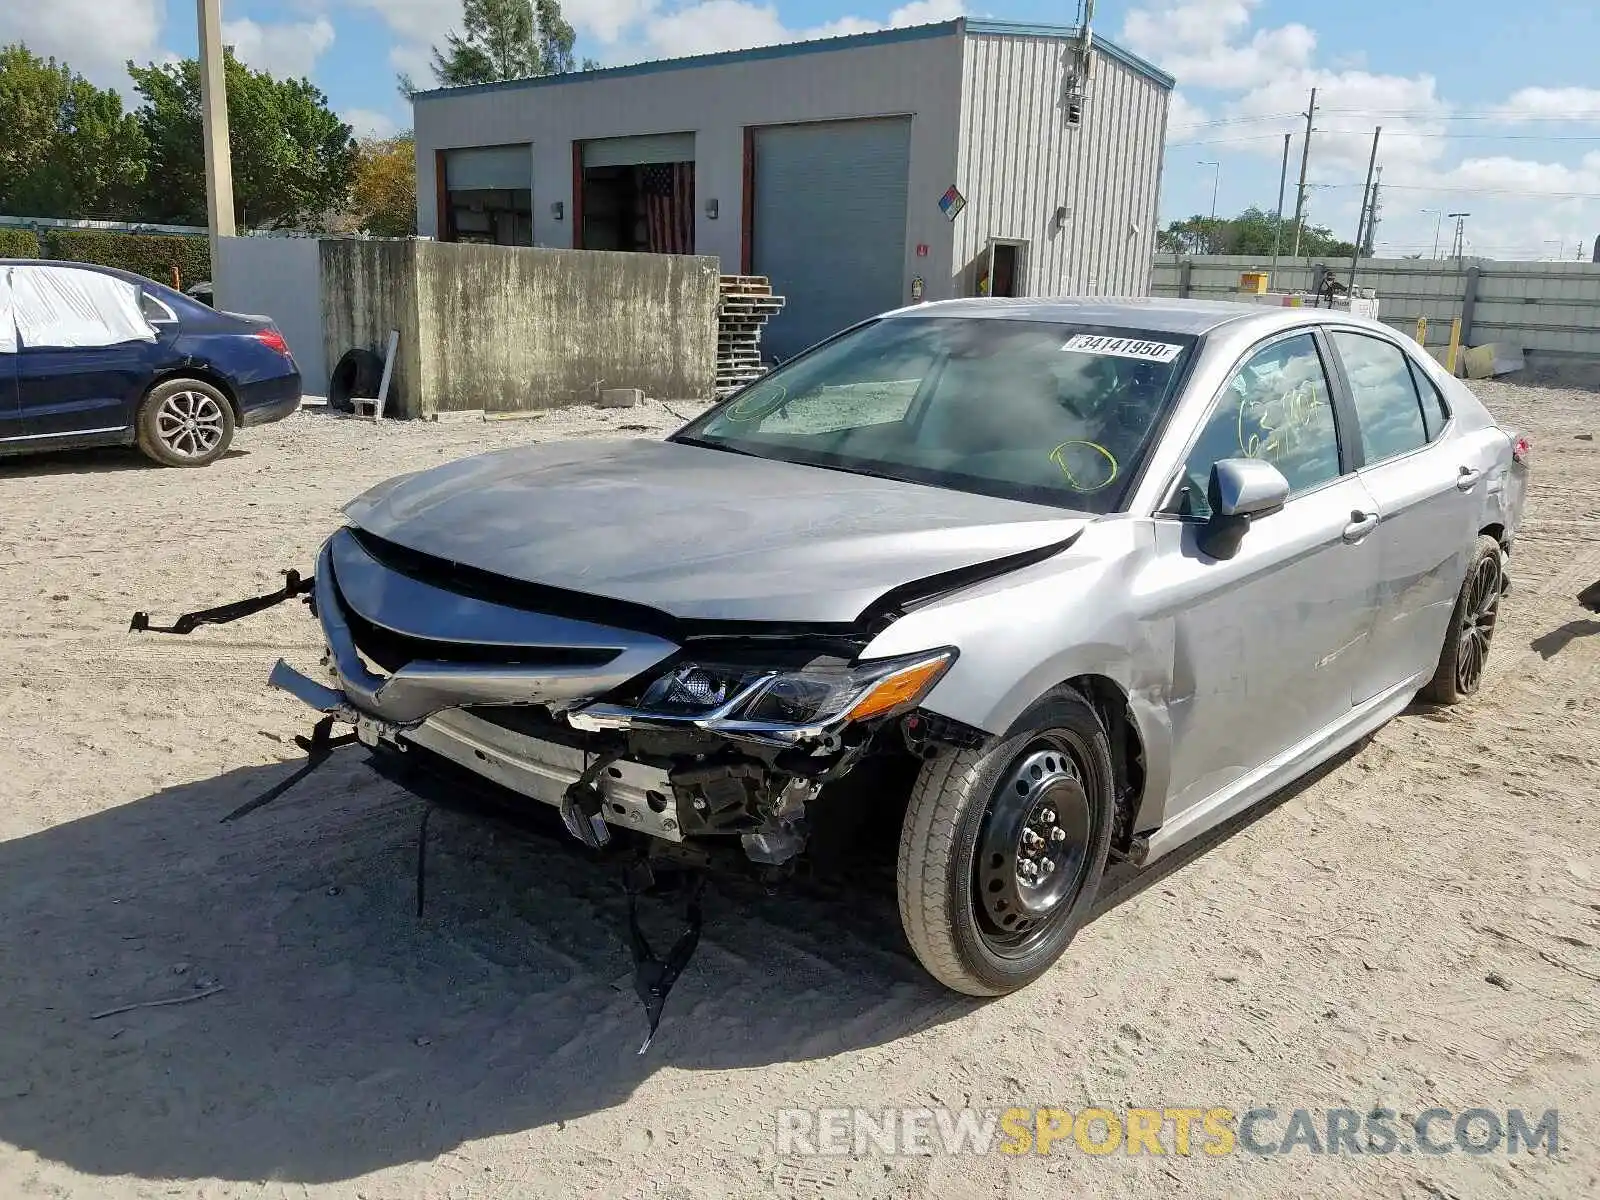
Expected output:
(697, 533)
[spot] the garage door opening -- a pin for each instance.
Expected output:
(636, 194)
(648, 209)
(488, 196)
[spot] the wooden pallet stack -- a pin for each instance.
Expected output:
(747, 304)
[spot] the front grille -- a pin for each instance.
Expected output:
(391, 651)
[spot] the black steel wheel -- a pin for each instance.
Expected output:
(1003, 847)
(1465, 653)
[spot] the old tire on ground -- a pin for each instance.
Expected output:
(980, 920)
(357, 373)
(1466, 642)
(184, 423)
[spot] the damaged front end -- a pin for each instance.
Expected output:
(688, 745)
(700, 740)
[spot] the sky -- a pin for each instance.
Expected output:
(1487, 109)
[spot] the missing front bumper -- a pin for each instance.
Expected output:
(634, 795)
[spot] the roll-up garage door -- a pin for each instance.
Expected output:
(486, 168)
(634, 151)
(830, 224)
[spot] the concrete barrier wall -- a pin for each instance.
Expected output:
(513, 329)
(278, 278)
(509, 329)
(369, 288)
(1550, 310)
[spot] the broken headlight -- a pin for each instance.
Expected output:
(807, 696)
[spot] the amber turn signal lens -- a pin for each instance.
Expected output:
(900, 690)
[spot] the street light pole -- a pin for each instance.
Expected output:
(1277, 225)
(214, 128)
(1438, 223)
(1215, 184)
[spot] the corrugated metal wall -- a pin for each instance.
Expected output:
(1019, 160)
(1551, 310)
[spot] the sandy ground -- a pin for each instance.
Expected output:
(1334, 951)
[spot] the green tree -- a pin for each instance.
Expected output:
(1249, 233)
(293, 158)
(383, 201)
(67, 149)
(504, 39)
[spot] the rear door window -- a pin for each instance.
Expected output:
(1435, 412)
(1385, 395)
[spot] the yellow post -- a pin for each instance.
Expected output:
(1455, 346)
(1422, 331)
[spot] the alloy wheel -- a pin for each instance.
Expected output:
(1033, 849)
(1478, 618)
(190, 424)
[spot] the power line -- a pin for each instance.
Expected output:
(1431, 136)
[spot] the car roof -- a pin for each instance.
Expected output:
(1155, 314)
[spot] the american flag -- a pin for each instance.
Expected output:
(668, 190)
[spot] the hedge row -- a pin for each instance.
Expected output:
(156, 255)
(18, 243)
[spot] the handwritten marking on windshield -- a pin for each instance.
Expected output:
(1059, 457)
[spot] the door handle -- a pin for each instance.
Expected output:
(1361, 524)
(1468, 479)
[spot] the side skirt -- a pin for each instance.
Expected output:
(1285, 769)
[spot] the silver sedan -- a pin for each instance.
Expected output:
(1085, 577)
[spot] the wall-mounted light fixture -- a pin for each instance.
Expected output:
(1061, 217)
(558, 210)
(711, 210)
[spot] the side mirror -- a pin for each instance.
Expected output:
(1240, 490)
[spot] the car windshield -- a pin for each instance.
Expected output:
(1049, 413)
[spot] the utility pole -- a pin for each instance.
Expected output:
(1305, 160)
(214, 127)
(1458, 248)
(1374, 214)
(1277, 225)
(1372, 165)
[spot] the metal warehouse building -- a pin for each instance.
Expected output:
(859, 173)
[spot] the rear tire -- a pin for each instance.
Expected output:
(1466, 643)
(1043, 796)
(185, 423)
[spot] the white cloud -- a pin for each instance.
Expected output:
(367, 122)
(96, 38)
(1183, 114)
(713, 25)
(288, 50)
(1197, 41)
(1540, 103)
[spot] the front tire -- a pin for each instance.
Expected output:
(1466, 643)
(185, 423)
(1003, 848)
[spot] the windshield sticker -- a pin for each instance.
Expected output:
(1094, 343)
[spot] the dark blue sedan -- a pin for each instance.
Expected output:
(93, 356)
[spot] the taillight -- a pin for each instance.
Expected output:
(272, 340)
(1520, 449)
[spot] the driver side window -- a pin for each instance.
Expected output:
(1278, 408)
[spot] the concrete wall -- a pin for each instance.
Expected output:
(369, 288)
(1019, 161)
(1549, 310)
(507, 329)
(278, 277)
